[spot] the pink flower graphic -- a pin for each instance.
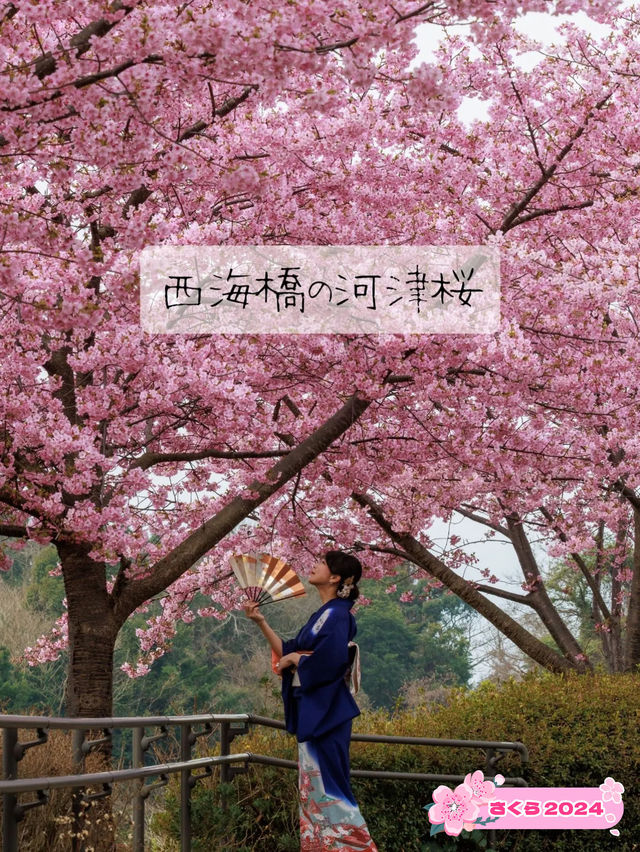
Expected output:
(454, 808)
(481, 790)
(611, 790)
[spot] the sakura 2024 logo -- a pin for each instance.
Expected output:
(477, 804)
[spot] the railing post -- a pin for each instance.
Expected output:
(490, 769)
(225, 743)
(9, 772)
(138, 803)
(186, 741)
(77, 741)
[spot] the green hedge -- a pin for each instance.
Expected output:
(578, 730)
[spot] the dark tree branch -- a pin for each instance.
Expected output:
(133, 592)
(632, 640)
(629, 494)
(501, 593)
(13, 530)
(577, 558)
(47, 64)
(394, 551)
(540, 600)
(57, 365)
(510, 219)
(9, 12)
(485, 521)
(419, 11)
(149, 459)
(419, 555)
(549, 211)
(97, 76)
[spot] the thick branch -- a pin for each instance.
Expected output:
(57, 365)
(419, 555)
(629, 494)
(415, 12)
(13, 530)
(540, 600)
(149, 459)
(98, 76)
(597, 596)
(228, 106)
(10, 12)
(480, 520)
(548, 211)
(394, 551)
(502, 593)
(132, 593)
(12, 498)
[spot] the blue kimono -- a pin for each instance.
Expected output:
(323, 700)
(319, 713)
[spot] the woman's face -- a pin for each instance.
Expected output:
(320, 574)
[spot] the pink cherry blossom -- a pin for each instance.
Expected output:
(611, 790)
(481, 790)
(454, 808)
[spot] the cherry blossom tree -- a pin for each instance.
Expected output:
(541, 431)
(533, 428)
(133, 124)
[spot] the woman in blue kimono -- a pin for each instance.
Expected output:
(319, 708)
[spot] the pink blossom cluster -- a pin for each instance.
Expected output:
(48, 648)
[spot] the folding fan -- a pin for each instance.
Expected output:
(265, 578)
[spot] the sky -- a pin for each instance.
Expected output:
(536, 25)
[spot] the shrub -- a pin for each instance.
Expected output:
(577, 729)
(49, 828)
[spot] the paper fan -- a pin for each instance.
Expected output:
(265, 578)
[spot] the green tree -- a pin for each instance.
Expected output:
(45, 593)
(27, 690)
(387, 643)
(403, 642)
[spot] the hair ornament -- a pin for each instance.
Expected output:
(347, 586)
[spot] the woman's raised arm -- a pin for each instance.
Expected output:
(253, 612)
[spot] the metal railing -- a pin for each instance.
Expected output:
(231, 726)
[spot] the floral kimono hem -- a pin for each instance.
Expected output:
(329, 822)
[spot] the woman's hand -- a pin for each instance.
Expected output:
(252, 611)
(291, 659)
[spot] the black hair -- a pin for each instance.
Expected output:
(347, 567)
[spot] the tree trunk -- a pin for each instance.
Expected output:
(632, 644)
(89, 688)
(540, 601)
(617, 563)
